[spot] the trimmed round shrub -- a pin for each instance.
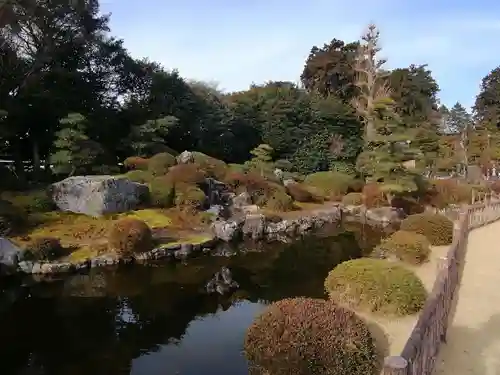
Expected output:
(140, 176)
(279, 202)
(161, 192)
(331, 185)
(136, 163)
(445, 192)
(299, 193)
(260, 189)
(45, 248)
(159, 164)
(214, 167)
(128, 236)
(305, 336)
(187, 173)
(189, 195)
(407, 246)
(437, 228)
(376, 285)
(352, 199)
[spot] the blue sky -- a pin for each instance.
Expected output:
(239, 42)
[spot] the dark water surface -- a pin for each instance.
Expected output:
(158, 320)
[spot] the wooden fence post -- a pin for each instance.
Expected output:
(395, 366)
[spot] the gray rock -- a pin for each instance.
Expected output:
(8, 256)
(242, 200)
(184, 252)
(384, 215)
(227, 230)
(289, 181)
(97, 195)
(26, 266)
(254, 226)
(36, 268)
(251, 209)
(279, 173)
(185, 157)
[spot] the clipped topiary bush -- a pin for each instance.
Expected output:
(140, 176)
(260, 189)
(159, 164)
(136, 163)
(376, 285)
(304, 336)
(300, 193)
(161, 192)
(187, 173)
(352, 199)
(437, 228)
(189, 196)
(407, 246)
(279, 202)
(331, 185)
(128, 236)
(45, 248)
(214, 167)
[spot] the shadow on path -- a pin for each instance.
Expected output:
(471, 351)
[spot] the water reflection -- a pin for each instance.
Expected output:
(159, 319)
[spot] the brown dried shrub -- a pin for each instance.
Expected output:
(136, 162)
(373, 196)
(407, 246)
(305, 336)
(128, 236)
(300, 193)
(187, 173)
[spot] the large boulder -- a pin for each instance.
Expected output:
(97, 195)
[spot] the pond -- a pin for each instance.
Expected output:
(159, 319)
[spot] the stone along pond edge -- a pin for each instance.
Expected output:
(254, 226)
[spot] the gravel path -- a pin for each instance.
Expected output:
(473, 346)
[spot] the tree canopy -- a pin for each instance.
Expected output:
(69, 90)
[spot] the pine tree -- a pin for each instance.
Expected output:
(262, 159)
(387, 156)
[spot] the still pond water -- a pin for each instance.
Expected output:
(159, 320)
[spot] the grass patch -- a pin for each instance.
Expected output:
(154, 218)
(196, 239)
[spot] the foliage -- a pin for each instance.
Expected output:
(149, 137)
(189, 196)
(45, 248)
(12, 218)
(331, 185)
(279, 201)
(437, 228)
(321, 338)
(409, 247)
(30, 201)
(300, 193)
(259, 188)
(128, 236)
(213, 167)
(442, 193)
(74, 151)
(136, 162)
(159, 164)
(377, 285)
(187, 173)
(261, 159)
(352, 199)
(373, 196)
(161, 191)
(140, 176)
